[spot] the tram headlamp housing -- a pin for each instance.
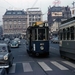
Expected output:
(41, 47)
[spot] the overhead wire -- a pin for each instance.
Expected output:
(34, 3)
(9, 3)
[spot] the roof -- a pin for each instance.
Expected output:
(59, 9)
(15, 12)
(68, 20)
(3, 44)
(56, 9)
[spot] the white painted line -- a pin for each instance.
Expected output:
(69, 63)
(44, 66)
(12, 69)
(61, 67)
(27, 67)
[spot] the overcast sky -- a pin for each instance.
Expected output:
(24, 4)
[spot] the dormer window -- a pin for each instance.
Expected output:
(8, 12)
(19, 12)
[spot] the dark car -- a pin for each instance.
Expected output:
(6, 57)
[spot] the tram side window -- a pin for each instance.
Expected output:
(72, 33)
(68, 33)
(34, 34)
(60, 36)
(64, 34)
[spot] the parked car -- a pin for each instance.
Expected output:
(14, 43)
(7, 40)
(17, 39)
(6, 57)
(55, 40)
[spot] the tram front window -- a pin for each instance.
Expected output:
(41, 34)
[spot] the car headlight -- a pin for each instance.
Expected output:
(41, 47)
(19, 41)
(16, 44)
(6, 57)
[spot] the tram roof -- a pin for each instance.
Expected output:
(68, 20)
(31, 27)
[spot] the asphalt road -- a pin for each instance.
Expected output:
(53, 65)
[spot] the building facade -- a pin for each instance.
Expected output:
(14, 22)
(1, 31)
(56, 14)
(33, 15)
(17, 21)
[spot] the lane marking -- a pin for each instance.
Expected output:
(61, 67)
(27, 67)
(69, 63)
(12, 69)
(44, 66)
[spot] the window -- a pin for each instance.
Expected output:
(64, 34)
(72, 32)
(68, 33)
(3, 49)
(19, 12)
(14, 12)
(34, 37)
(10, 26)
(8, 13)
(60, 33)
(41, 34)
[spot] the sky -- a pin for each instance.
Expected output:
(24, 4)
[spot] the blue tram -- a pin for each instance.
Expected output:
(38, 39)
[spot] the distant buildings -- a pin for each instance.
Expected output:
(1, 31)
(56, 14)
(33, 15)
(17, 21)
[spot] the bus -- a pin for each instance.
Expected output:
(67, 38)
(37, 37)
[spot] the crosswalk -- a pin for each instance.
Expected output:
(46, 66)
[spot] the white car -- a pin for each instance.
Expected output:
(17, 39)
(55, 40)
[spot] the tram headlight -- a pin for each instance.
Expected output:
(34, 47)
(41, 47)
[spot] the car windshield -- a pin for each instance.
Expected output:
(13, 42)
(16, 39)
(3, 49)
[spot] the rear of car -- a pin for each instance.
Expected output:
(17, 39)
(55, 40)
